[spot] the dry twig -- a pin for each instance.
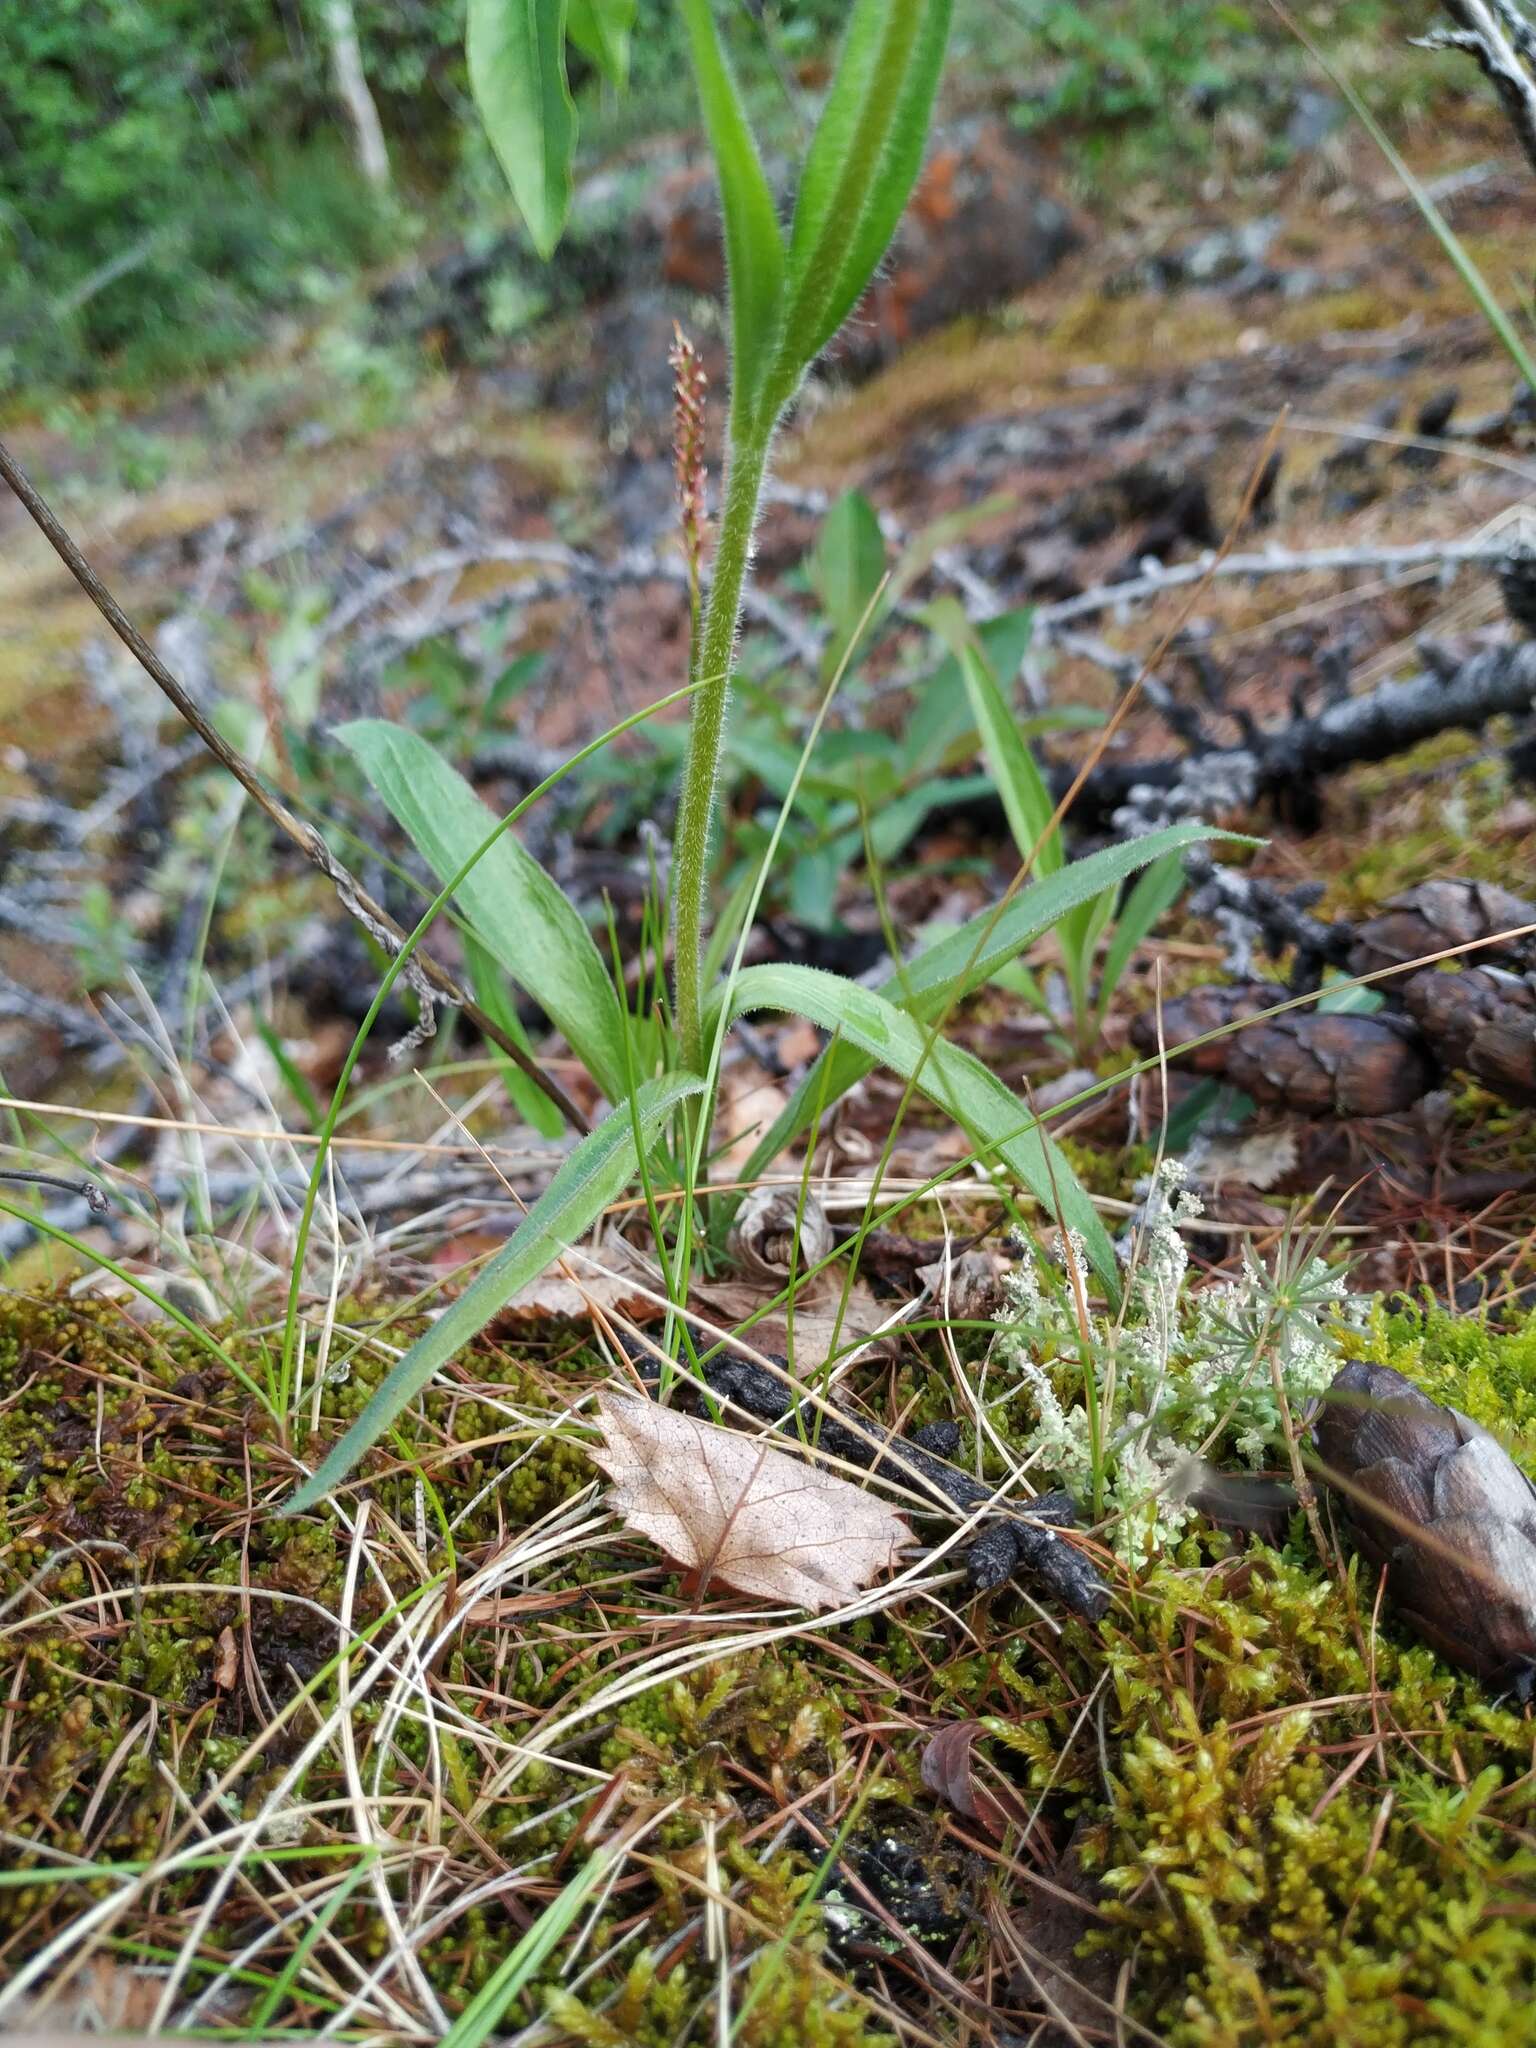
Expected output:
(430, 980)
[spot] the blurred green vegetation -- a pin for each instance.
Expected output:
(176, 175)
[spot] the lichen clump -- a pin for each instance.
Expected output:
(1124, 1406)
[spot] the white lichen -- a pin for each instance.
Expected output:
(1185, 1372)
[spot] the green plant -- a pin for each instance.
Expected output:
(1119, 922)
(867, 790)
(787, 301)
(161, 184)
(788, 296)
(1123, 64)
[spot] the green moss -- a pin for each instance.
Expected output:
(1257, 1888)
(129, 1459)
(1199, 1741)
(780, 2004)
(1490, 1374)
(1267, 1904)
(1108, 1172)
(1443, 807)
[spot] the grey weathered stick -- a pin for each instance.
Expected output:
(1417, 557)
(1496, 34)
(1445, 696)
(429, 977)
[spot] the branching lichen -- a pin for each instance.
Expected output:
(1189, 1372)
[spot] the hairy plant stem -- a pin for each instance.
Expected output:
(711, 670)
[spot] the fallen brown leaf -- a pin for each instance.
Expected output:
(226, 1663)
(798, 1043)
(817, 1324)
(947, 1769)
(731, 1508)
(615, 1279)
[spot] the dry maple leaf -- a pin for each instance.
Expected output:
(731, 1508)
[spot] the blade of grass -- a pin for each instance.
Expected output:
(484, 2014)
(600, 1168)
(272, 1998)
(1487, 301)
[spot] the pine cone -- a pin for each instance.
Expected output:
(1482, 1020)
(1442, 1505)
(1210, 1008)
(1435, 916)
(1320, 1063)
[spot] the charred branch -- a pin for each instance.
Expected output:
(1478, 1019)
(1463, 696)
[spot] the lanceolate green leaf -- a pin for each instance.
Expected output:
(1157, 889)
(849, 563)
(962, 961)
(754, 241)
(518, 911)
(940, 721)
(596, 1173)
(992, 1115)
(516, 55)
(600, 30)
(1027, 803)
(495, 998)
(862, 164)
(925, 983)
